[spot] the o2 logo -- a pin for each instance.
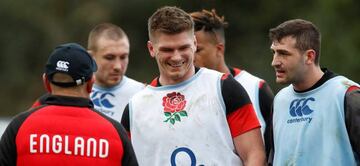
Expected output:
(101, 99)
(186, 151)
(299, 107)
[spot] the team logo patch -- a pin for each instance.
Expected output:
(62, 66)
(300, 110)
(102, 99)
(174, 104)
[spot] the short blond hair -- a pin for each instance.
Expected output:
(107, 30)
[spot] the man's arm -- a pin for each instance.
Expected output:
(125, 119)
(243, 123)
(129, 157)
(269, 139)
(250, 147)
(8, 151)
(352, 117)
(8, 145)
(266, 98)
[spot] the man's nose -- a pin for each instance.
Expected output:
(118, 65)
(176, 56)
(275, 61)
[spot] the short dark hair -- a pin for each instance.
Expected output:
(107, 30)
(210, 21)
(170, 20)
(307, 35)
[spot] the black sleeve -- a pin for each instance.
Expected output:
(129, 157)
(234, 95)
(266, 98)
(8, 145)
(352, 118)
(125, 118)
(269, 139)
(8, 153)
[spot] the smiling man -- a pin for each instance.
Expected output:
(188, 115)
(316, 118)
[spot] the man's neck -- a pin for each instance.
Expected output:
(310, 79)
(71, 92)
(172, 81)
(223, 68)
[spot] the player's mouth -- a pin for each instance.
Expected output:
(280, 73)
(115, 76)
(176, 65)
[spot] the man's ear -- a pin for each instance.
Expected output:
(195, 43)
(220, 48)
(310, 56)
(90, 84)
(46, 83)
(150, 47)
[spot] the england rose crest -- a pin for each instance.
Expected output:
(174, 104)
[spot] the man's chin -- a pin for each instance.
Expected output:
(281, 81)
(113, 82)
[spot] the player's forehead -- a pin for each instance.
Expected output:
(109, 45)
(164, 40)
(288, 42)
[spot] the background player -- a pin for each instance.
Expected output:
(109, 45)
(210, 53)
(316, 117)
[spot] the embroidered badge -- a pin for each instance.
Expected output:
(174, 104)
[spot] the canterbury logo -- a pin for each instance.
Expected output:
(62, 65)
(102, 100)
(299, 107)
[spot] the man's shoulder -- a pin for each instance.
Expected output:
(134, 83)
(209, 71)
(247, 75)
(131, 80)
(285, 91)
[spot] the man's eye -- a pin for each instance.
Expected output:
(109, 57)
(198, 50)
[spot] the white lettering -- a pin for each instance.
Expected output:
(67, 151)
(63, 144)
(79, 144)
(91, 141)
(103, 148)
(56, 144)
(44, 139)
(32, 143)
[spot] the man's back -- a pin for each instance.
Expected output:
(259, 93)
(62, 128)
(65, 131)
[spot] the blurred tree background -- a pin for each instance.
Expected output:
(31, 29)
